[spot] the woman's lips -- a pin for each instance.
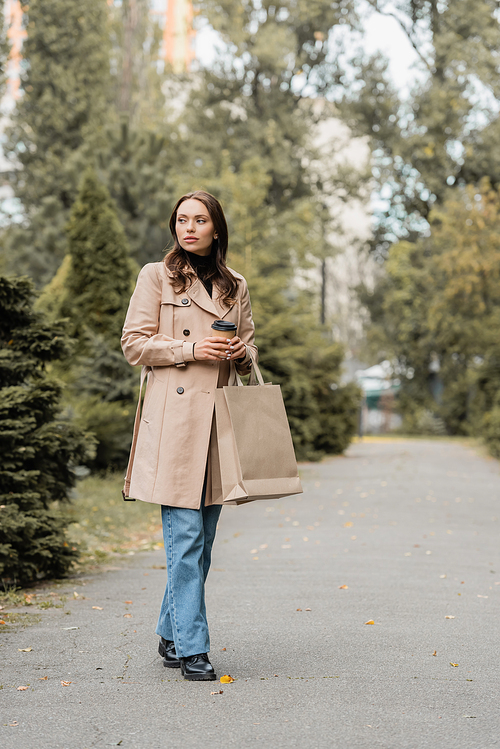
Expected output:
(190, 239)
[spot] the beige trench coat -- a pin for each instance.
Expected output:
(168, 463)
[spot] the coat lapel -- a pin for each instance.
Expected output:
(199, 295)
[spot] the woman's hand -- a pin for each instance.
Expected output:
(217, 348)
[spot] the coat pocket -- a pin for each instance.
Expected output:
(152, 399)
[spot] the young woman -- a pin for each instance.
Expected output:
(168, 331)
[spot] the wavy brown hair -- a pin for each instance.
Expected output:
(177, 259)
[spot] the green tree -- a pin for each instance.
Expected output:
(138, 155)
(39, 449)
(437, 313)
(140, 167)
(446, 131)
(92, 290)
(101, 272)
(135, 61)
(62, 107)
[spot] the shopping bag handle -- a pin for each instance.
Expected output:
(255, 374)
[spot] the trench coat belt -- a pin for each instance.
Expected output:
(144, 373)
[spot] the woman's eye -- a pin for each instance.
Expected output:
(180, 220)
(201, 220)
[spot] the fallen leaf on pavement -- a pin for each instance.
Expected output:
(226, 679)
(370, 621)
(2, 621)
(435, 652)
(449, 617)
(99, 608)
(128, 602)
(222, 649)
(220, 691)
(14, 723)
(22, 689)
(127, 616)
(66, 683)
(25, 650)
(343, 587)
(299, 609)
(308, 609)
(453, 664)
(43, 678)
(349, 524)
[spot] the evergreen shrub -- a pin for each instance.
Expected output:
(38, 448)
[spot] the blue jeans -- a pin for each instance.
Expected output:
(188, 537)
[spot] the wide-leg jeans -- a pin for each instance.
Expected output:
(188, 536)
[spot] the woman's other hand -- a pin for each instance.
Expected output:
(217, 348)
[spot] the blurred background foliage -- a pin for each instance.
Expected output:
(103, 140)
(435, 307)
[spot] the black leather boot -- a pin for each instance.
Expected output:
(197, 668)
(166, 649)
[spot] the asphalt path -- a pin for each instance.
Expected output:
(403, 534)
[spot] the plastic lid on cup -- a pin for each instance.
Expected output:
(224, 326)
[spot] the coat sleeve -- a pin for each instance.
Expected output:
(246, 330)
(141, 342)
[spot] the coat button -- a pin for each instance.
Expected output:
(184, 301)
(186, 332)
(180, 390)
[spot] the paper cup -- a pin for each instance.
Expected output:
(224, 329)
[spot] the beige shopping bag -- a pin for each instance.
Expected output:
(252, 450)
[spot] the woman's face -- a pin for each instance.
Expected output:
(194, 227)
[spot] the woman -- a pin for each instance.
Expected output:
(168, 331)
